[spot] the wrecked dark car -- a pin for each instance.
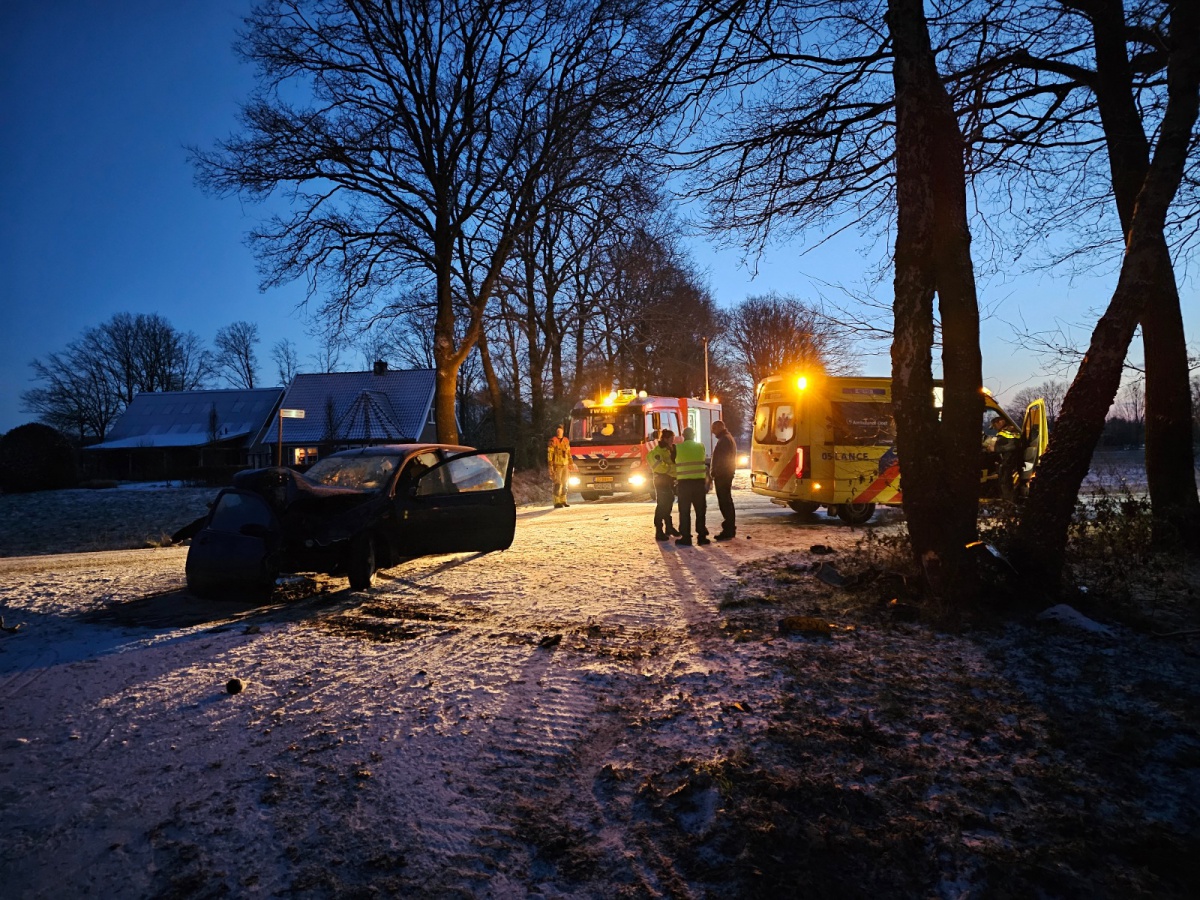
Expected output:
(353, 513)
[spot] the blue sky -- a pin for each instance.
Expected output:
(98, 103)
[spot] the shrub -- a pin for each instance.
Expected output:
(36, 457)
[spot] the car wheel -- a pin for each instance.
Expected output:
(804, 507)
(360, 562)
(589, 496)
(856, 513)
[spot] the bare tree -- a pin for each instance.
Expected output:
(286, 359)
(85, 387)
(76, 396)
(328, 355)
(429, 126)
(1051, 391)
(1043, 529)
(1074, 90)
(1131, 402)
(235, 358)
(939, 455)
(772, 332)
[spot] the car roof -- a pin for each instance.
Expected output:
(399, 449)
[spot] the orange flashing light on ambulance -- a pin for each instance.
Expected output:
(830, 441)
(611, 437)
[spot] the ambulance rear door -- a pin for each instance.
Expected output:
(1035, 430)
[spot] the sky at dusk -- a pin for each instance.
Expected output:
(99, 101)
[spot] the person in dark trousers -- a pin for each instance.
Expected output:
(691, 484)
(724, 465)
(662, 464)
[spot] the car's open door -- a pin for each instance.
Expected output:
(1035, 434)
(465, 503)
(236, 545)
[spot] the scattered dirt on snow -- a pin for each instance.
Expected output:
(588, 714)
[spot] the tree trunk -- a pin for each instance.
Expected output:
(445, 363)
(939, 460)
(493, 385)
(1042, 535)
(1169, 449)
(1170, 464)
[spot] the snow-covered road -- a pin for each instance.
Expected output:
(434, 736)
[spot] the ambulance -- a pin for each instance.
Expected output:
(829, 441)
(611, 437)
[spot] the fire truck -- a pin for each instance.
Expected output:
(611, 437)
(829, 441)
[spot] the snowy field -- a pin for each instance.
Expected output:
(589, 714)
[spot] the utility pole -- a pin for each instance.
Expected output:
(707, 395)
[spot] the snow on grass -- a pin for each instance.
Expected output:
(588, 714)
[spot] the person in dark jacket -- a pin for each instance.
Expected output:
(724, 464)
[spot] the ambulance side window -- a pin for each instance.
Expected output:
(862, 424)
(762, 424)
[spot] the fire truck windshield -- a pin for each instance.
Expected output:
(602, 425)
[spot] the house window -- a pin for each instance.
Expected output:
(304, 456)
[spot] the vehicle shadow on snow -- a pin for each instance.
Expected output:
(293, 599)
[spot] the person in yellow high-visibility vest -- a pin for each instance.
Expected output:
(662, 465)
(691, 484)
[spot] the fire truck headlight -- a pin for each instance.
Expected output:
(573, 481)
(637, 480)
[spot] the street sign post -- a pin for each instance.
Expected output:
(285, 414)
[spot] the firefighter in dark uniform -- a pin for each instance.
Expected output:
(662, 464)
(1003, 455)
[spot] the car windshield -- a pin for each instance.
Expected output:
(366, 473)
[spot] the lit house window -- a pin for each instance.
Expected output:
(304, 456)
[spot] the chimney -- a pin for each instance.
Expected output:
(380, 367)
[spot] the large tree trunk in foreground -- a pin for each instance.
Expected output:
(1169, 459)
(1042, 535)
(939, 460)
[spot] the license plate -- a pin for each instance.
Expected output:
(603, 478)
(760, 479)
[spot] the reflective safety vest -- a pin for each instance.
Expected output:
(689, 461)
(660, 461)
(558, 452)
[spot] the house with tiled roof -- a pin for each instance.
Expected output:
(169, 433)
(348, 409)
